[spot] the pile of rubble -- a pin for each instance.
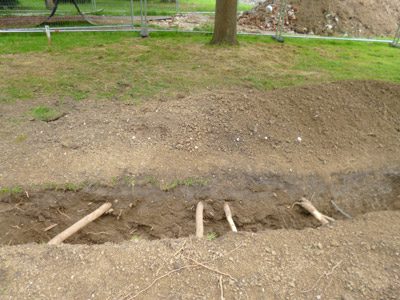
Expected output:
(264, 16)
(326, 17)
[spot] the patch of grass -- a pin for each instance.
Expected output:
(44, 113)
(122, 7)
(15, 190)
(136, 237)
(151, 180)
(65, 187)
(184, 182)
(21, 138)
(211, 236)
(129, 180)
(121, 66)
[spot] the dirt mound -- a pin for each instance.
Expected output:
(324, 128)
(354, 18)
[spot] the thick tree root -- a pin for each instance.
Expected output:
(58, 239)
(228, 214)
(308, 206)
(199, 220)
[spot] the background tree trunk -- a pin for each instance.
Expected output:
(225, 22)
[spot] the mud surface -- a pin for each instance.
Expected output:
(144, 211)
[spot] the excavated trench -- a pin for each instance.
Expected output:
(144, 211)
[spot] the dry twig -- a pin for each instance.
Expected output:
(325, 274)
(197, 264)
(340, 210)
(64, 214)
(180, 249)
(157, 279)
(50, 227)
(211, 269)
(221, 288)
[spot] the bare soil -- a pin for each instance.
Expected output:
(344, 126)
(260, 151)
(353, 260)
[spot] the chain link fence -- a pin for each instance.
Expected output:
(82, 15)
(328, 19)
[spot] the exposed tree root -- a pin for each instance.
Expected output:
(308, 206)
(199, 220)
(228, 214)
(58, 239)
(340, 210)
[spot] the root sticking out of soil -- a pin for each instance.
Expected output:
(144, 211)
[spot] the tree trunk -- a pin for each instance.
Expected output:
(225, 22)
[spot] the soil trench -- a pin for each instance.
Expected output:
(143, 210)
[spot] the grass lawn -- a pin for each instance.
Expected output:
(121, 66)
(122, 7)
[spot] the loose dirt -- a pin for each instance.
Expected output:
(346, 126)
(354, 260)
(260, 151)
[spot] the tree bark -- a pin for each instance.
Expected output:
(225, 22)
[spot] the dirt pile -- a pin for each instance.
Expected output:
(323, 128)
(354, 18)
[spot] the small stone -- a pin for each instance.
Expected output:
(346, 297)
(276, 278)
(334, 243)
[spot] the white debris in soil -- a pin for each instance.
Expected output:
(265, 15)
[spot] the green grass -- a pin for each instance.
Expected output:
(184, 182)
(120, 7)
(124, 67)
(64, 187)
(44, 113)
(21, 138)
(211, 236)
(10, 190)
